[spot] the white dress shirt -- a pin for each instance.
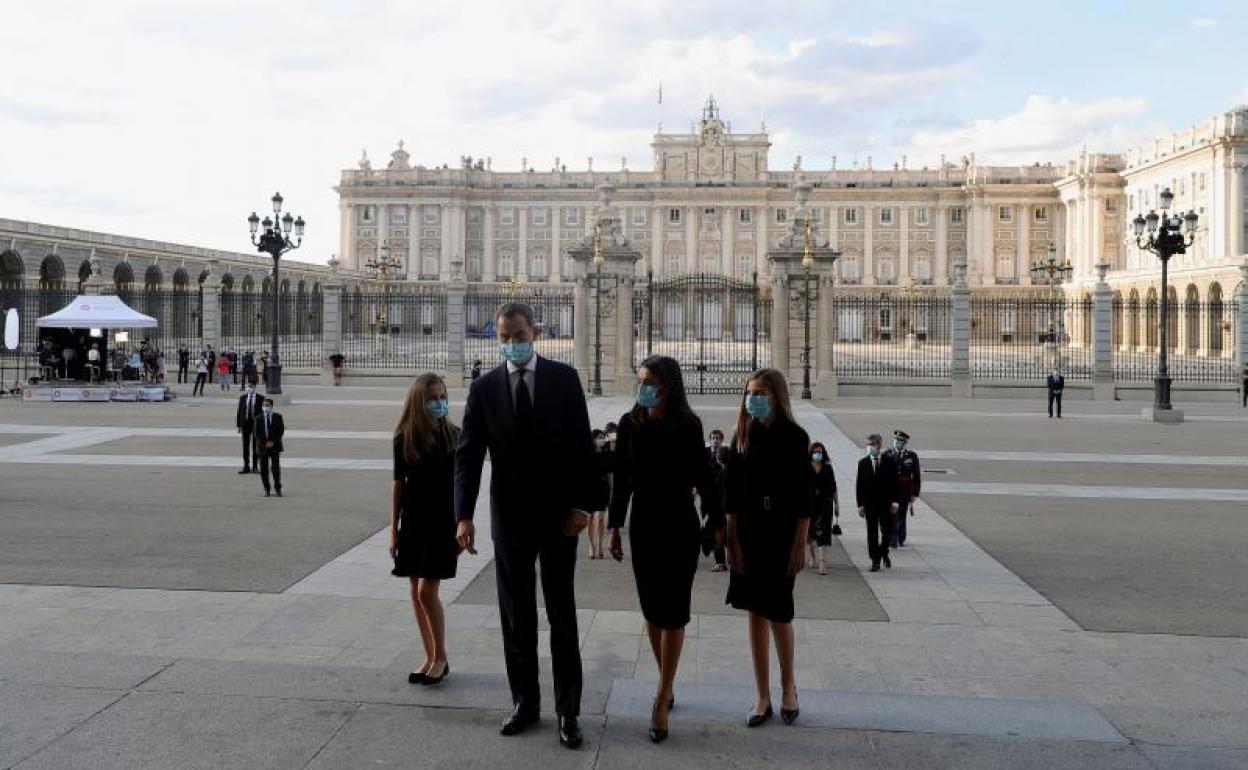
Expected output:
(530, 378)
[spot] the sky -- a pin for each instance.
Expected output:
(174, 119)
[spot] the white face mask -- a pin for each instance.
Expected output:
(268, 410)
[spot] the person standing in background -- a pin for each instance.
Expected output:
(877, 500)
(824, 505)
(184, 364)
(909, 483)
(1055, 384)
(270, 427)
(201, 375)
(249, 406)
(223, 373)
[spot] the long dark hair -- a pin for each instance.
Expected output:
(417, 429)
(781, 407)
(675, 401)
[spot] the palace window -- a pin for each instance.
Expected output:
(366, 214)
(1042, 214)
(506, 216)
(816, 214)
(886, 216)
(539, 216)
(920, 216)
(744, 216)
(474, 216)
(1111, 206)
(639, 217)
(431, 215)
(782, 216)
(572, 216)
(956, 215)
(1202, 181)
(673, 216)
(1005, 213)
(398, 215)
(851, 216)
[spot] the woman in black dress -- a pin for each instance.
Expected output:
(659, 462)
(767, 501)
(825, 507)
(422, 517)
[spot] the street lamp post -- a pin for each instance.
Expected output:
(382, 266)
(1165, 235)
(808, 261)
(1053, 272)
(598, 260)
(276, 241)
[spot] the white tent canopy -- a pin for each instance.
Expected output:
(97, 311)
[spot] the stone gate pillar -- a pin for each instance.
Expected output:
(1102, 338)
(212, 307)
(456, 324)
(960, 334)
(1240, 322)
(331, 315)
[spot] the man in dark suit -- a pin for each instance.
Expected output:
(877, 492)
(249, 407)
(269, 431)
(184, 364)
(1055, 382)
(529, 413)
(909, 484)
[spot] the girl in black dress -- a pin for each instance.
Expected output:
(659, 462)
(422, 517)
(825, 507)
(767, 501)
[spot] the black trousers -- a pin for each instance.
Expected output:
(898, 534)
(1055, 398)
(201, 379)
(879, 533)
(270, 461)
(249, 447)
(515, 567)
(184, 372)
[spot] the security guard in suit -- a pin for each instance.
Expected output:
(909, 479)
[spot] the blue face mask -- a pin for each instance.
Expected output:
(758, 406)
(438, 407)
(647, 396)
(873, 451)
(516, 352)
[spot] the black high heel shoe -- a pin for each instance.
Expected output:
(754, 720)
(657, 734)
(416, 677)
(431, 680)
(789, 716)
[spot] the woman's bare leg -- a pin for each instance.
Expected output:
(758, 653)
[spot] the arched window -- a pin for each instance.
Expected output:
(1191, 317)
(1216, 320)
(1151, 329)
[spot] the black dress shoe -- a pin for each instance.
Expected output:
(279, 493)
(416, 677)
(570, 733)
(431, 680)
(244, 470)
(888, 563)
(875, 568)
(518, 721)
(754, 720)
(789, 717)
(267, 493)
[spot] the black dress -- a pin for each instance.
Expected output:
(427, 547)
(822, 493)
(658, 465)
(768, 490)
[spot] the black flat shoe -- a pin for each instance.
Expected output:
(518, 721)
(432, 680)
(657, 735)
(267, 493)
(416, 677)
(244, 470)
(789, 717)
(570, 733)
(875, 568)
(888, 563)
(754, 720)
(279, 493)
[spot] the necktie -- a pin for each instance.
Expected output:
(524, 404)
(875, 465)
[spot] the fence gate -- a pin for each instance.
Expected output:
(713, 325)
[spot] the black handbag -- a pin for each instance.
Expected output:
(836, 529)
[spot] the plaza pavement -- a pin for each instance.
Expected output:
(157, 611)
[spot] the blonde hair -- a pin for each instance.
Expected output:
(417, 429)
(781, 410)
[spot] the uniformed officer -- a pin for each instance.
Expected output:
(909, 477)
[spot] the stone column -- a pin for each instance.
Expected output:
(903, 248)
(331, 320)
(444, 232)
(761, 240)
(825, 339)
(1241, 321)
(413, 241)
(1022, 255)
(522, 253)
(456, 326)
(583, 334)
(1102, 339)
(656, 240)
(212, 307)
(728, 235)
(555, 263)
(488, 267)
(458, 238)
(382, 229)
(941, 276)
(346, 235)
(960, 335)
(780, 325)
(691, 240)
(834, 226)
(1092, 254)
(868, 245)
(980, 249)
(625, 336)
(1235, 212)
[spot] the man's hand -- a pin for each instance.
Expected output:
(797, 560)
(862, 511)
(466, 536)
(268, 445)
(617, 548)
(576, 522)
(893, 508)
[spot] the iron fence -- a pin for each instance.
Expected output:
(553, 312)
(890, 336)
(403, 329)
(718, 328)
(179, 318)
(1022, 338)
(1200, 339)
(246, 326)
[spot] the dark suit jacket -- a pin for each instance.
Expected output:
(279, 430)
(878, 490)
(1055, 383)
(535, 481)
(244, 419)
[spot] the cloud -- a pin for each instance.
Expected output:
(1203, 22)
(1044, 128)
